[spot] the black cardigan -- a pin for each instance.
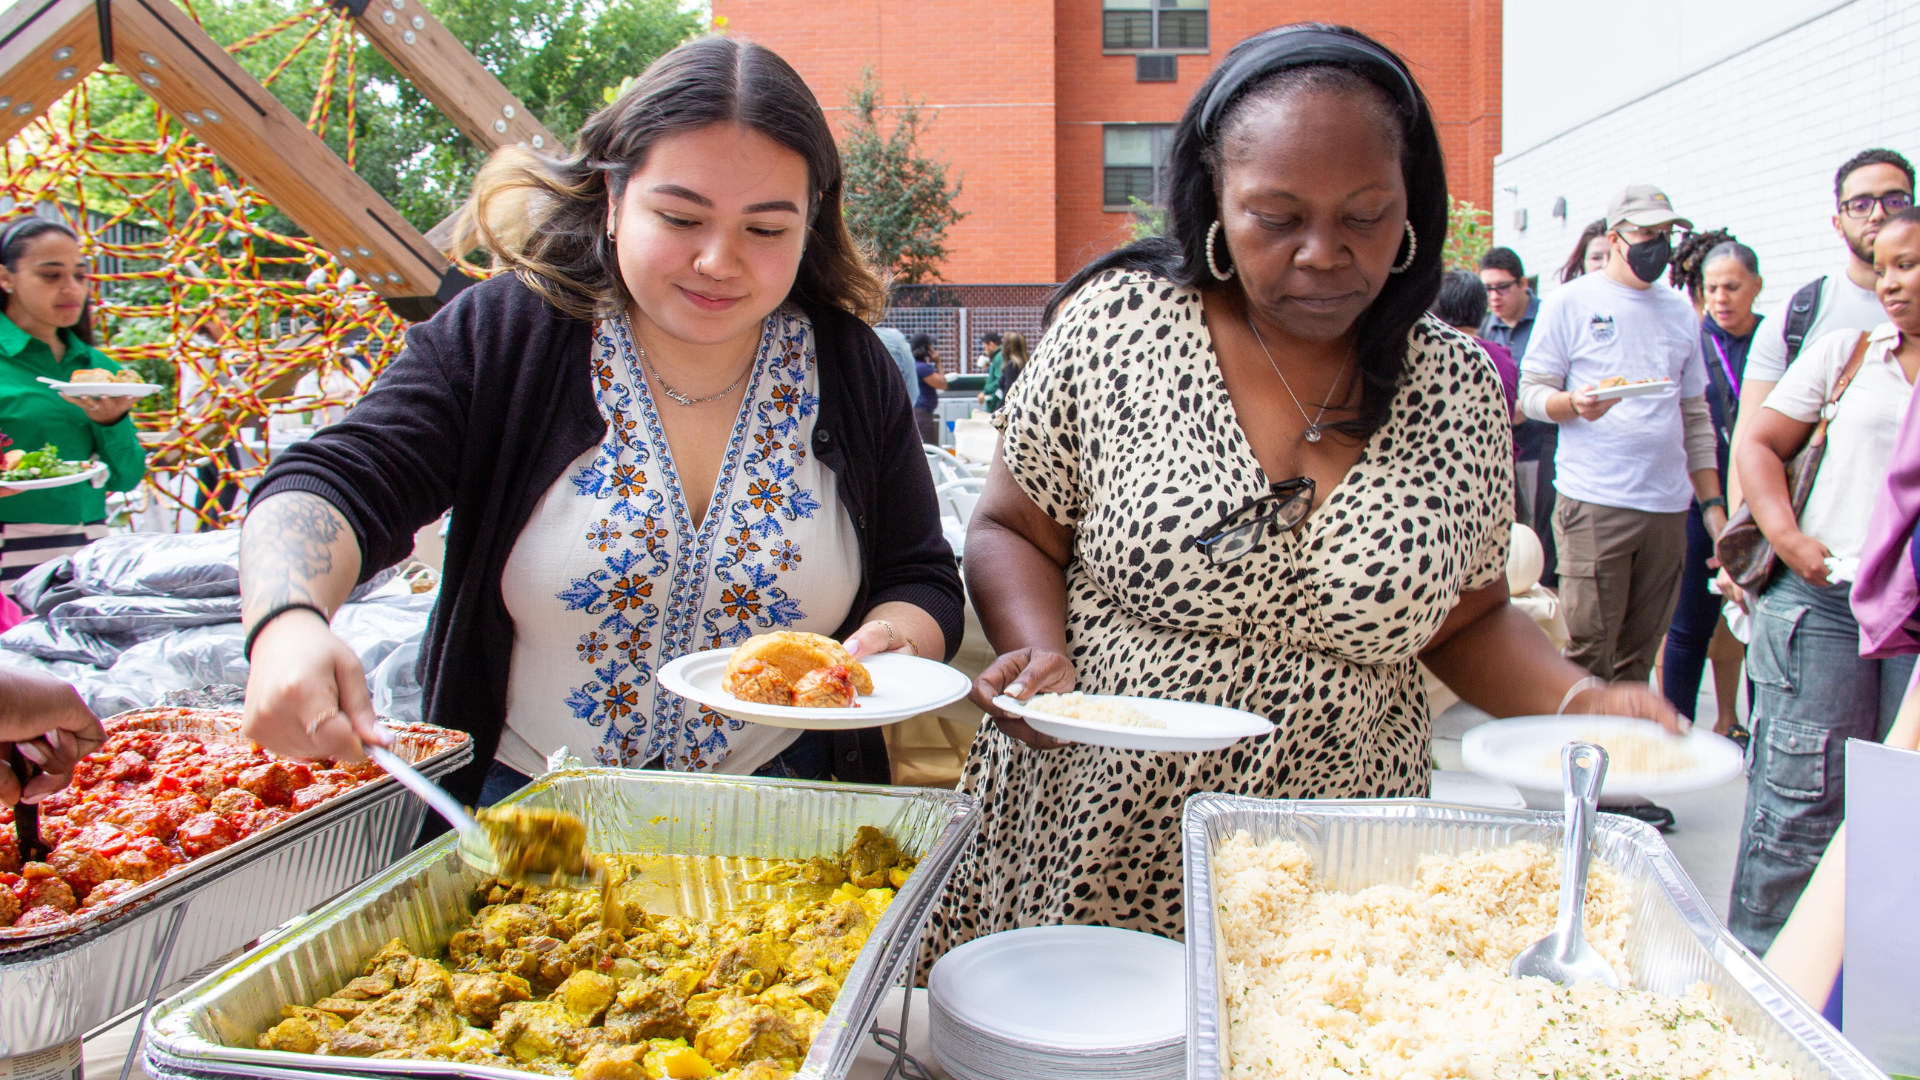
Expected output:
(490, 402)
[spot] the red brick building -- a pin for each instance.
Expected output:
(1052, 112)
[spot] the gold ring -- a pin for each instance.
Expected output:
(324, 716)
(889, 627)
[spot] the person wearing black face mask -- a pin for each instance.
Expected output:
(1626, 470)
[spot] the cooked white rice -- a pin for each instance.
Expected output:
(1410, 983)
(1079, 706)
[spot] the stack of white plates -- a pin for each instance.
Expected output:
(1061, 1001)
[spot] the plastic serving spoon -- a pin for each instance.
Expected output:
(476, 845)
(1564, 955)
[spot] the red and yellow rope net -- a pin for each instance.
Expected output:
(258, 329)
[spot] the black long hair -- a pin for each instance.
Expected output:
(546, 218)
(17, 235)
(1269, 62)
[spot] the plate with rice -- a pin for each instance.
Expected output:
(1136, 723)
(1642, 759)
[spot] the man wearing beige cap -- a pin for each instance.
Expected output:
(1626, 468)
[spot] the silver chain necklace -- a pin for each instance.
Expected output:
(1313, 422)
(678, 397)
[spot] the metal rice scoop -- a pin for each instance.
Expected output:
(1564, 955)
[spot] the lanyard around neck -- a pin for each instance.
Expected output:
(1725, 364)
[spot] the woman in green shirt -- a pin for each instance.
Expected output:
(44, 331)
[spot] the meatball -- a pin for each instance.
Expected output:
(50, 891)
(235, 801)
(43, 915)
(9, 851)
(274, 783)
(138, 863)
(107, 890)
(313, 795)
(9, 907)
(128, 765)
(80, 868)
(144, 819)
(206, 833)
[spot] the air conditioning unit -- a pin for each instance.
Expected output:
(1156, 67)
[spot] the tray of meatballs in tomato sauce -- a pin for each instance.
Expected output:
(180, 815)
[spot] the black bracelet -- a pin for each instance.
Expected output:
(1718, 500)
(273, 614)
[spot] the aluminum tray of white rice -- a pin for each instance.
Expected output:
(1372, 937)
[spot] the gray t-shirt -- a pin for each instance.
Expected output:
(902, 353)
(1843, 306)
(1595, 328)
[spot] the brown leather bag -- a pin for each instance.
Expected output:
(1743, 549)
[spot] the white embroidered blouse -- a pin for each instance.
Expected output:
(611, 578)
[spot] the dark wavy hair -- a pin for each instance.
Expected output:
(1260, 68)
(1577, 262)
(1871, 157)
(546, 219)
(17, 234)
(1689, 268)
(1462, 301)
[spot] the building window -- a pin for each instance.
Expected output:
(1136, 163)
(1154, 24)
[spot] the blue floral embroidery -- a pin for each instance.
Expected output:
(655, 559)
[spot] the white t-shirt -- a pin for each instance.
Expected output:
(1860, 437)
(1595, 328)
(611, 578)
(1843, 306)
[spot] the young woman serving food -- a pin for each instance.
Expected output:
(46, 332)
(1245, 468)
(668, 429)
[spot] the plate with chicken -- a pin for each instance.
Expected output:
(799, 680)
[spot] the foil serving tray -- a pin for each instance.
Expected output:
(58, 984)
(1673, 939)
(208, 1030)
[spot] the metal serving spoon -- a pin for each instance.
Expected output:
(1564, 955)
(476, 844)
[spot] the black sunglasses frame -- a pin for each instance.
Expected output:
(1264, 511)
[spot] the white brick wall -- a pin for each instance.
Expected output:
(1748, 143)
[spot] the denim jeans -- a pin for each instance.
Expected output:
(1696, 614)
(1811, 693)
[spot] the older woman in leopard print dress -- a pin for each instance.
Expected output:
(1277, 338)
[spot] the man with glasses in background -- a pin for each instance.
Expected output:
(1626, 468)
(1871, 187)
(1511, 311)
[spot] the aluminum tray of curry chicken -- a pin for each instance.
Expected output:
(179, 830)
(749, 931)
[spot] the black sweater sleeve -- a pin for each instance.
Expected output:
(911, 560)
(390, 466)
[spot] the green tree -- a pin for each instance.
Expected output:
(899, 205)
(1469, 235)
(1149, 219)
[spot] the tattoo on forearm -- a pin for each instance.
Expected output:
(285, 547)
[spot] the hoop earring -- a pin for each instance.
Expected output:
(1413, 247)
(1212, 232)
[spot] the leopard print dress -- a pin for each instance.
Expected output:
(1122, 429)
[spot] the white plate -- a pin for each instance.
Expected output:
(1191, 726)
(903, 686)
(103, 389)
(1072, 987)
(1613, 393)
(99, 469)
(1526, 751)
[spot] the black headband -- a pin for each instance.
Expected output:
(1301, 46)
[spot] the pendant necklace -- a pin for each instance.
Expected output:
(678, 397)
(1313, 422)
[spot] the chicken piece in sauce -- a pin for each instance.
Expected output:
(825, 688)
(759, 682)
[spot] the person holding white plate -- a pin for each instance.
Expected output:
(668, 428)
(1625, 470)
(46, 332)
(1246, 468)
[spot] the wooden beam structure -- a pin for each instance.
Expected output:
(420, 47)
(47, 46)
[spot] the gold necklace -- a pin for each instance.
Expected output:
(667, 389)
(1313, 422)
